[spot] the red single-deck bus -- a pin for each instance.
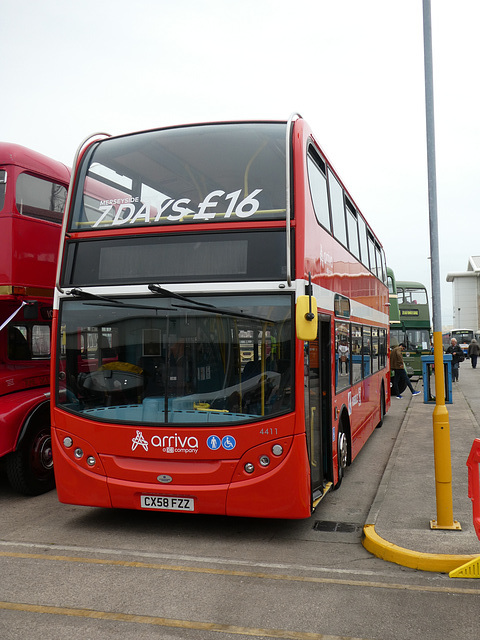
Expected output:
(33, 192)
(221, 321)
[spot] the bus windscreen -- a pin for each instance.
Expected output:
(219, 359)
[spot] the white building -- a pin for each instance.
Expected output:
(466, 295)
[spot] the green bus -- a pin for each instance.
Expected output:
(415, 325)
(393, 300)
(396, 332)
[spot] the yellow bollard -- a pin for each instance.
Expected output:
(441, 446)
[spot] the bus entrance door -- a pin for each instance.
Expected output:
(317, 359)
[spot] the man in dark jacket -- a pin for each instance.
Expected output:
(457, 357)
(473, 352)
(400, 379)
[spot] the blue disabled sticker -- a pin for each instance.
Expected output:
(213, 442)
(228, 443)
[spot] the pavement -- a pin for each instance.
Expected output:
(398, 526)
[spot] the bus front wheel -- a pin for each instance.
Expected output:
(30, 468)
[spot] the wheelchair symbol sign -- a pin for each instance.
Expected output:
(228, 443)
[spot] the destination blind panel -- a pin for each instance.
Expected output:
(172, 258)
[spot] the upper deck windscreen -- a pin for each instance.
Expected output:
(193, 174)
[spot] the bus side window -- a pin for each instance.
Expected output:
(356, 358)
(18, 348)
(318, 189)
(362, 232)
(3, 187)
(338, 209)
(40, 198)
(366, 351)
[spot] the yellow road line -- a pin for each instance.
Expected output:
(169, 622)
(243, 574)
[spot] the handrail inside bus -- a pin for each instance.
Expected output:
(89, 139)
(288, 215)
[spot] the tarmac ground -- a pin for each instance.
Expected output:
(398, 527)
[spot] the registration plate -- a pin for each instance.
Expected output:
(168, 503)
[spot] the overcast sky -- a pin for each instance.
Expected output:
(353, 69)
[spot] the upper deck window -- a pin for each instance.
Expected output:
(40, 198)
(391, 285)
(352, 228)
(373, 255)
(412, 296)
(193, 174)
(318, 188)
(338, 209)
(362, 232)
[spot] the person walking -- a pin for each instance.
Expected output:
(400, 379)
(457, 357)
(473, 352)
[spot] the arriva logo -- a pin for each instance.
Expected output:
(139, 440)
(169, 444)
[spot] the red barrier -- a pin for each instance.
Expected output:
(473, 464)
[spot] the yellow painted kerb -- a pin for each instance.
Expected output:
(436, 562)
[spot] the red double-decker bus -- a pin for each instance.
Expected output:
(221, 321)
(33, 192)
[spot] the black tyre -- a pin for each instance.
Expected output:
(382, 407)
(30, 468)
(342, 452)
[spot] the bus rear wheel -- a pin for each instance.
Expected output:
(342, 452)
(382, 407)
(30, 468)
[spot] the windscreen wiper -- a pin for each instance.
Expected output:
(85, 295)
(192, 304)
(156, 288)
